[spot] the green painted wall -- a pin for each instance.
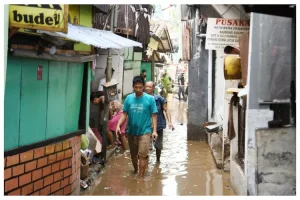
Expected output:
(147, 67)
(136, 68)
(86, 18)
(128, 54)
(128, 64)
(35, 110)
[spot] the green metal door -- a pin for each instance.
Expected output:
(33, 110)
(12, 104)
(147, 67)
(58, 72)
(36, 110)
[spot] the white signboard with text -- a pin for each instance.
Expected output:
(224, 32)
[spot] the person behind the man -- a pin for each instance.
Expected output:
(144, 74)
(161, 105)
(103, 81)
(141, 111)
(181, 86)
(166, 83)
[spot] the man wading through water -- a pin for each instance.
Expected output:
(161, 105)
(140, 108)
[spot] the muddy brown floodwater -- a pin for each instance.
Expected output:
(186, 168)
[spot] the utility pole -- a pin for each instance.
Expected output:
(108, 79)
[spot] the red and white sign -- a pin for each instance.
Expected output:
(224, 32)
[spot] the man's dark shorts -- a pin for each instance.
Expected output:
(159, 142)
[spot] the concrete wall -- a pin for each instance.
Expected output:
(237, 174)
(117, 64)
(257, 115)
(237, 179)
(219, 88)
(198, 80)
(198, 83)
(221, 106)
(128, 76)
(276, 161)
(132, 68)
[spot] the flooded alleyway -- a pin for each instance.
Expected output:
(186, 168)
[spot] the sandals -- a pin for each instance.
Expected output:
(83, 184)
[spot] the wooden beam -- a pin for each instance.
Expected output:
(61, 51)
(12, 31)
(47, 56)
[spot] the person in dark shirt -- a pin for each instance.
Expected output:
(181, 86)
(144, 74)
(161, 105)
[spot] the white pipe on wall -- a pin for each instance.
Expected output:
(210, 84)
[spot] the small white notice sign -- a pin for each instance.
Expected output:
(224, 32)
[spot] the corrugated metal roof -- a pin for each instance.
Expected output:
(98, 38)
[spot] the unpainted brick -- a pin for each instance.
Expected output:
(66, 144)
(16, 192)
(38, 184)
(39, 152)
(24, 179)
(64, 164)
(45, 191)
(26, 156)
(47, 170)
(37, 193)
(60, 192)
(55, 167)
(17, 170)
(11, 184)
(58, 147)
(49, 149)
(37, 174)
(55, 187)
(51, 158)
(30, 166)
(67, 190)
(65, 182)
(60, 155)
(7, 173)
(42, 162)
(48, 180)
(67, 172)
(69, 153)
(12, 160)
(58, 176)
(27, 189)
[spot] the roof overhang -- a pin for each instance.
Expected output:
(98, 38)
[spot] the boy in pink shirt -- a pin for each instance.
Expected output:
(117, 109)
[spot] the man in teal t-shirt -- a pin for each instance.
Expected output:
(142, 120)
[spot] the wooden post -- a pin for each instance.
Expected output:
(152, 66)
(106, 106)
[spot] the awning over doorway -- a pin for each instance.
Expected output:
(98, 38)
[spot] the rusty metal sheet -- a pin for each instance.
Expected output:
(244, 49)
(186, 41)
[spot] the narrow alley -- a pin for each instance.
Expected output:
(87, 87)
(186, 168)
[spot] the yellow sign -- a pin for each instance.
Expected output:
(50, 17)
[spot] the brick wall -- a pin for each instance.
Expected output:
(48, 170)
